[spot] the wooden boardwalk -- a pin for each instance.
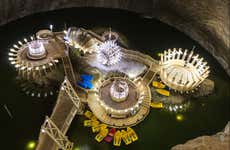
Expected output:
(62, 115)
(149, 75)
(68, 68)
(64, 110)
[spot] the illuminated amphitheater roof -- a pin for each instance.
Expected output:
(182, 70)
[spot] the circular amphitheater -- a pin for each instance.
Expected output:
(37, 55)
(182, 70)
(127, 110)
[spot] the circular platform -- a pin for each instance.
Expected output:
(122, 107)
(54, 50)
(119, 114)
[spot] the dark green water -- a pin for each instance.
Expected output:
(159, 131)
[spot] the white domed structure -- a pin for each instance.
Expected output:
(119, 90)
(182, 71)
(36, 50)
(109, 53)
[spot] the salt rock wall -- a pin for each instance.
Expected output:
(206, 21)
(219, 141)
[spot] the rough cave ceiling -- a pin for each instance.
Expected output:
(205, 21)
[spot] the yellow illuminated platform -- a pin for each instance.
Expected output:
(132, 120)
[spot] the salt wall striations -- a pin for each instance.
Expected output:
(218, 141)
(205, 21)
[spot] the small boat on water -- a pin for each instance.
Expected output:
(132, 134)
(98, 128)
(163, 92)
(90, 123)
(117, 138)
(156, 105)
(94, 118)
(125, 137)
(110, 135)
(157, 84)
(86, 81)
(88, 114)
(101, 135)
(87, 77)
(87, 123)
